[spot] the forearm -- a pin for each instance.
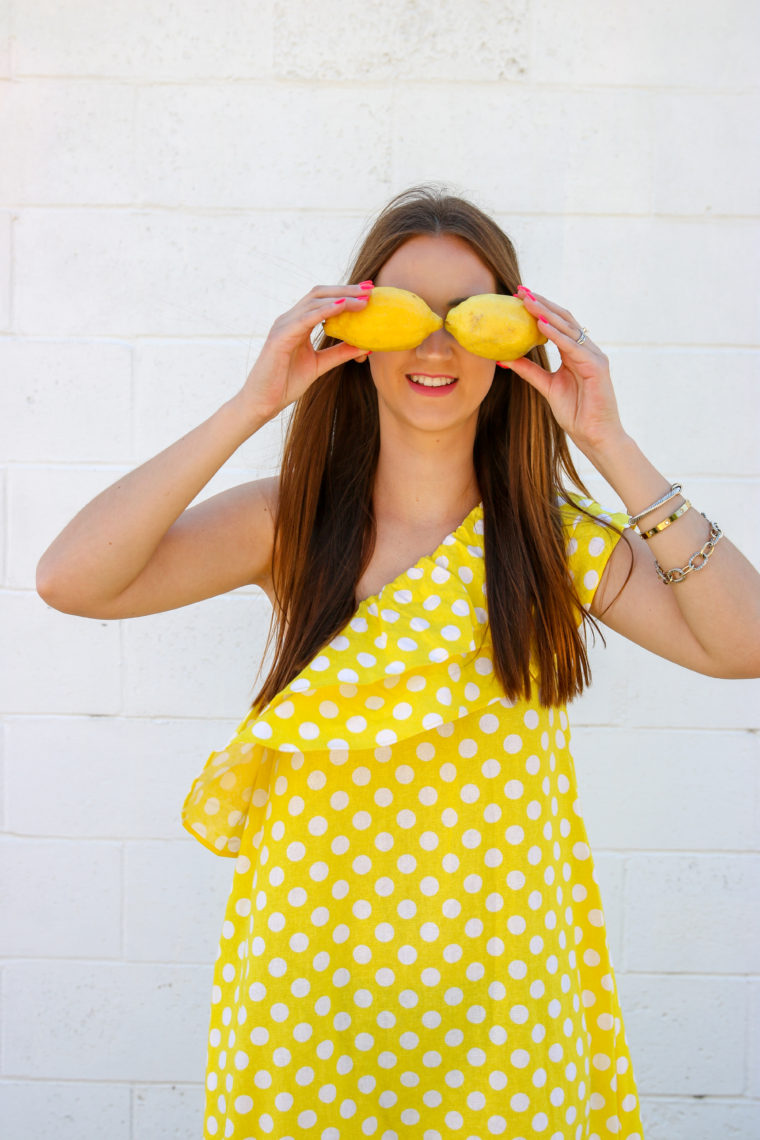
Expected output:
(721, 603)
(107, 544)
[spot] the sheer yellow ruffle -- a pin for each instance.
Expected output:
(411, 658)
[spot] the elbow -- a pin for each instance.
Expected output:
(48, 587)
(51, 587)
(740, 667)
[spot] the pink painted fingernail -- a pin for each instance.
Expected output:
(543, 320)
(528, 292)
(366, 285)
(340, 301)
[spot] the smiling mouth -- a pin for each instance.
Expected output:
(426, 381)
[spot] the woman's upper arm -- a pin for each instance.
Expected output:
(645, 610)
(222, 543)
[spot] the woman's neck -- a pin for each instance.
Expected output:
(424, 492)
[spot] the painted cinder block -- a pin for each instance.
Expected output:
(44, 884)
(65, 401)
(5, 38)
(661, 789)
(52, 128)
(606, 167)
(104, 777)
(116, 1021)
(3, 528)
(722, 386)
(603, 701)
(179, 384)
(634, 45)
(753, 1045)
(617, 270)
(41, 501)
(6, 221)
(52, 663)
(733, 503)
(198, 661)
(202, 146)
(134, 39)
(697, 913)
(711, 127)
(686, 1034)
(167, 1112)
(402, 39)
(700, 1119)
(64, 1110)
(174, 898)
(140, 272)
(661, 693)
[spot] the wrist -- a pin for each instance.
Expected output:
(607, 452)
(248, 418)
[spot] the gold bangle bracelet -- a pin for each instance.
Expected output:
(666, 522)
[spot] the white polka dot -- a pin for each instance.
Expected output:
(590, 579)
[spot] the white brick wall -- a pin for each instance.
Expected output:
(173, 177)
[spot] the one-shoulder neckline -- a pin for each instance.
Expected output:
(446, 541)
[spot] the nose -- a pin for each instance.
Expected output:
(436, 346)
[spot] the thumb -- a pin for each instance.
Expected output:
(338, 354)
(527, 370)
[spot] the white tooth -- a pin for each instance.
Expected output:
(430, 382)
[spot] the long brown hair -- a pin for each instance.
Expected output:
(325, 527)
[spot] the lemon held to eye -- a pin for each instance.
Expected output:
(494, 325)
(392, 320)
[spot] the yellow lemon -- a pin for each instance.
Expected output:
(495, 326)
(392, 319)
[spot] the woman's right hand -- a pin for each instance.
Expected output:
(288, 363)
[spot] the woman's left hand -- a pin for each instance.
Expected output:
(580, 392)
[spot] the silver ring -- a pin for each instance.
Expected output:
(582, 337)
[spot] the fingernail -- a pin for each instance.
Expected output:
(339, 301)
(525, 289)
(366, 285)
(543, 320)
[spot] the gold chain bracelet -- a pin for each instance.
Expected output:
(678, 573)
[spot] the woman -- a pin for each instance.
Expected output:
(414, 937)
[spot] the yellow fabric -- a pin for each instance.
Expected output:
(414, 940)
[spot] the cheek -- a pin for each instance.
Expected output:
(486, 375)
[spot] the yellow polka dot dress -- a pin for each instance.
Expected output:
(414, 943)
